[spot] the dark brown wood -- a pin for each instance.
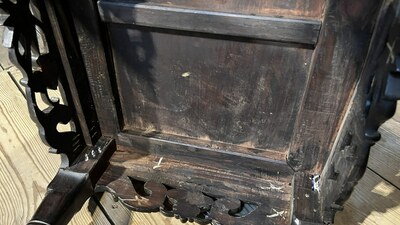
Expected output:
(75, 80)
(221, 23)
(373, 103)
(186, 205)
(337, 63)
(69, 74)
(226, 157)
(277, 8)
(131, 194)
(225, 103)
(306, 199)
(208, 89)
(216, 118)
(92, 49)
(72, 186)
(269, 196)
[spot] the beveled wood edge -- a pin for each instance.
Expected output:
(373, 102)
(235, 158)
(221, 23)
(323, 106)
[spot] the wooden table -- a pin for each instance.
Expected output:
(376, 199)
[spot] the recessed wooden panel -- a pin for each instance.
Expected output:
(236, 92)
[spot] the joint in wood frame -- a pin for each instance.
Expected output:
(72, 186)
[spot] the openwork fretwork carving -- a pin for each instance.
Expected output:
(374, 104)
(32, 48)
(189, 205)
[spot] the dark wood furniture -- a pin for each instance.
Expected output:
(230, 112)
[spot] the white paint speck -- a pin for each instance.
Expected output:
(93, 153)
(158, 164)
(272, 188)
(276, 214)
(86, 157)
(186, 74)
(316, 185)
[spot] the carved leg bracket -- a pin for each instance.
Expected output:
(374, 103)
(72, 186)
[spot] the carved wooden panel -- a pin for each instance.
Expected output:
(192, 192)
(33, 51)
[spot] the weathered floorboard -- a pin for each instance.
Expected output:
(373, 201)
(385, 155)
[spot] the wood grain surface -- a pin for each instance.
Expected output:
(385, 156)
(208, 89)
(26, 168)
(221, 23)
(375, 200)
(299, 8)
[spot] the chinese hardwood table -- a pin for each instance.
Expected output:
(213, 111)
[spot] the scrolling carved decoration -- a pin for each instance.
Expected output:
(374, 104)
(33, 50)
(189, 205)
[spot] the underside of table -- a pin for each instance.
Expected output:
(220, 112)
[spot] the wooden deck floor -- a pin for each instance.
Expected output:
(23, 180)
